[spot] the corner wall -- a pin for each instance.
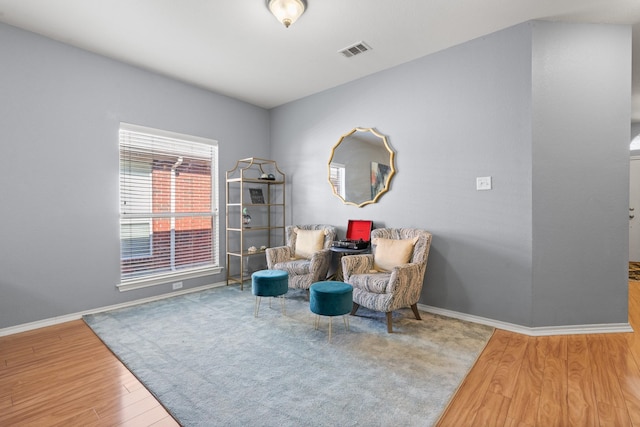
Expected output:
(581, 116)
(476, 110)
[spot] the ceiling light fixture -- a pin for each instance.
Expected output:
(287, 11)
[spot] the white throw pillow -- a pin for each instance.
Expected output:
(308, 242)
(391, 253)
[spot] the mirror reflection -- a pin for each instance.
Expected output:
(361, 166)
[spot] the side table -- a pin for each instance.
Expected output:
(339, 253)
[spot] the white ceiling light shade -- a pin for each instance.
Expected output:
(287, 11)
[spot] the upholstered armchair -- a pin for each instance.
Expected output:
(391, 277)
(306, 257)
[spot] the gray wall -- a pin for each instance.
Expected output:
(60, 109)
(525, 252)
(581, 116)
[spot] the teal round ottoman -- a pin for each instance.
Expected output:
(331, 299)
(269, 283)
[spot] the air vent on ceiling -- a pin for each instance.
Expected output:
(356, 49)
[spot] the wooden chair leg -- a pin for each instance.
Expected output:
(414, 307)
(389, 316)
(355, 308)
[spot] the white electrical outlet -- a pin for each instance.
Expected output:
(483, 183)
(177, 285)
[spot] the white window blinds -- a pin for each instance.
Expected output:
(336, 178)
(168, 203)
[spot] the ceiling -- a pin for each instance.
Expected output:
(237, 48)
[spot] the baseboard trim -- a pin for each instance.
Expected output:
(608, 328)
(75, 316)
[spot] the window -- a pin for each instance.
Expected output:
(336, 177)
(635, 143)
(168, 206)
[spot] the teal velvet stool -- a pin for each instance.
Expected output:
(269, 283)
(331, 299)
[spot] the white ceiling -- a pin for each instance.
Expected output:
(237, 48)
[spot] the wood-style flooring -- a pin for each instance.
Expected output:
(569, 380)
(64, 376)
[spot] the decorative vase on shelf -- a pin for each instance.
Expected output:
(246, 218)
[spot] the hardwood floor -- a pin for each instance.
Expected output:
(64, 376)
(569, 380)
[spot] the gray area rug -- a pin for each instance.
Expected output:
(210, 362)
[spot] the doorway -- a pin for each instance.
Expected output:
(634, 209)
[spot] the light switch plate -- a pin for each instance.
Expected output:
(483, 183)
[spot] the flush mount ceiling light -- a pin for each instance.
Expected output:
(287, 11)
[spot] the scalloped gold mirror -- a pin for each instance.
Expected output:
(361, 166)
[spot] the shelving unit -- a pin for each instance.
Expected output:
(267, 214)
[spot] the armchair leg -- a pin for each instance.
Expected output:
(355, 308)
(414, 307)
(389, 316)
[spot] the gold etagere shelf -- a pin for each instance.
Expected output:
(255, 215)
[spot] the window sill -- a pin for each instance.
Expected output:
(164, 279)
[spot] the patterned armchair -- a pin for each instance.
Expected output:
(392, 276)
(306, 257)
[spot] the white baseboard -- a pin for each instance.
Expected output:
(608, 328)
(535, 332)
(75, 316)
